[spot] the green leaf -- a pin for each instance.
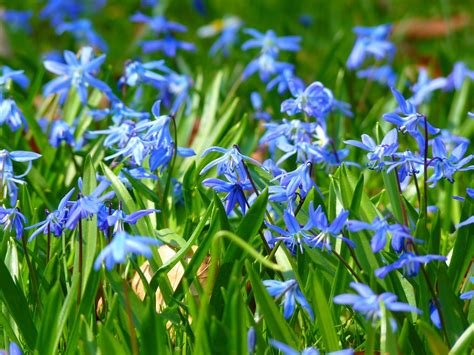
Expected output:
(49, 322)
(464, 343)
(15, 301)
(435, 343)
(323, 313)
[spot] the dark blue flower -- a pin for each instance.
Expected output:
(424, 87)
(16, 76)
(54, 222)
(61, 131)
(295, 235)
(228, 28)
(371, 42)
(327, 231)
(468, 294)
(137, 73)
(121, 245)
(8, 178)
(434, 315)
(458, 75)
(77, 73)
(11, 115)
(17, 20)
(383, 230)
(377, 153)
(118, 217)
(257, 105)
(59, 10)
(158, 24)
(266, 65)
(298, 180)
(444, 166)
(232, 162)
(234, 189)
(87, 206)
(12, 220)
(83, 32)
(369, 304)
(169, 45)
(269, 43)
(383, 75)
(118, 111)
(291, 293)
(409, 262)
(315, 101)
(282, 81)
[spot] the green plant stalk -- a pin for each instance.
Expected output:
(133, 334)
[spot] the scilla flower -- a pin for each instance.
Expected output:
(291, 293)
(121, 245)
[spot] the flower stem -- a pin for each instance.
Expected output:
(133, 335)
(171, 167)
(348, 267)
(79, 289)
(425, 171)
(34, 281)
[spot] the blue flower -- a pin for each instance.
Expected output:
(54, 222)
(383, 75)
(228, 28)
(83, 32)
(158, 24)
(409, 262)
(12, 220)
(77, 73)
(291, 293)
(118, 111)
(445, 166)
(267, 66)
(288, 350)
(135, 148)
(119, 217)
(17, 20)
(176, 89)
(298, 180)
(327, 231)
(315, 101)
(424, 87)
(434, 315)
(371, 42)
(11, 115)
(369, 304)
(137, 73)
(235, 191)
(407, 163)
(468, 294)
(61, 131)
(458, 75)
(232, 162)
(257, 105)
(383, 230)
(58, 10)
(8, 178)
(412, 119)
(16, 76)
(377, 153)
(169, 45)
(282, 81)
(121, 245)
(119, 135)
(269, 43)
(88, 205)
(13, 349)
(295, 236)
